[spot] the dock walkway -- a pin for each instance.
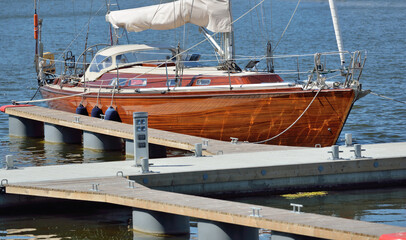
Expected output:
(125, 131)
(116, 190)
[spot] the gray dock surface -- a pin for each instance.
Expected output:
(187, 174)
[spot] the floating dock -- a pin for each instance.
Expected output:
(222, 174)
(165, 190)
(118, 190)
(43, 116)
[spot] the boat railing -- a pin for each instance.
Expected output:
(306, 69)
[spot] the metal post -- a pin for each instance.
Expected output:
(140, 123)
(348, 139)
(337, 31)
(198, 150)
(9, 162)
(335, 152)
(145, 165)
(358, 151)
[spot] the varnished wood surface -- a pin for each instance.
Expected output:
(116, 190)
(123, 130)
(247, 115)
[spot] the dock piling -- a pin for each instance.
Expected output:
(60, 134)
(97, 141)
(290, 236)
(159, 223)
(211, 230)
(24, 127)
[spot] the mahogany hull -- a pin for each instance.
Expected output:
(250, 115)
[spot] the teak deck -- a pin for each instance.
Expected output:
(116, 190)
(125, 131)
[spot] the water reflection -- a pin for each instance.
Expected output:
(373, 205)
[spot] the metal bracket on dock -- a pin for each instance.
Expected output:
(335, 152)
(296, 207)
(95, 187)
(234, 140)
(3, 184)
(131, 184)
(357, 151)
(198, 150)
(77, 119)
(205, 144)
(120, 173)
(255, 212)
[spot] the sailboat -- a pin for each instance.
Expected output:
(185, 95)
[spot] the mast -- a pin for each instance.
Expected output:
(228, 39)
(337, 31)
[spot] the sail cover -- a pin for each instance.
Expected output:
(212, 14)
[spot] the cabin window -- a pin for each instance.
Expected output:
(203, 82)
(121, 81)
(137, 82)
(171, 83)
(100, 62)
(151, 55)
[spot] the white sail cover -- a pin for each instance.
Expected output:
(212, 14)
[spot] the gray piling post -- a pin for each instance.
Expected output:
(159, 223)
(23, 127)
(290, 236)
(209, 230)
(61, 134)
(97, 141)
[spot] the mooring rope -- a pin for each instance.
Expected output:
(50, 99)
(382, 96)
(291, 125)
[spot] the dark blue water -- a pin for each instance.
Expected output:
(372, 25)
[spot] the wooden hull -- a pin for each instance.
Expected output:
(249, 115)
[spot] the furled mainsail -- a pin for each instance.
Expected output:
(213, 14)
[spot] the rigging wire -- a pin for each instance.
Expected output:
(383, 96)
(51, 99)
(286, 28)
(202, 41)
(77, 36)
(291, 125)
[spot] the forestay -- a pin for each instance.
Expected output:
(213, 14)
